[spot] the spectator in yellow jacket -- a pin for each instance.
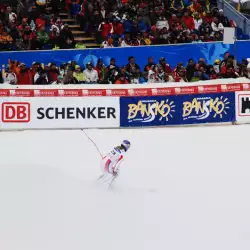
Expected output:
(79, 75)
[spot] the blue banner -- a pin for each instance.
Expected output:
(172, 53)
(207, 108)
(148, 111)
(177, 110)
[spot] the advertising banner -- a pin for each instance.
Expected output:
(207, 108)
(177, 110)
(149, 111)
(56, 112)
(242, 106)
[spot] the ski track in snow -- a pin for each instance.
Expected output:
(178, 188)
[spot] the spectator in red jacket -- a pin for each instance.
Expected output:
(24, 77)
(188, 21)
(166, 67)
(105, 28)
(53, 72)
(40, 22)
(118, 28)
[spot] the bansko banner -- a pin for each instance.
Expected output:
(177, 110)
(207, 108)
(59, 112)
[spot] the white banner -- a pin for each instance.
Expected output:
(242, 106)
(59, 112)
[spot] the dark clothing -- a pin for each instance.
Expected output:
(41, 81)
(190, 71)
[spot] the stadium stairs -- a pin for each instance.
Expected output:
(79, 36)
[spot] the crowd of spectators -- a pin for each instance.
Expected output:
(37, 24)
(34, 25)
(153, 72)
(143, 22)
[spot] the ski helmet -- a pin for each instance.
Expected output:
(126, 144)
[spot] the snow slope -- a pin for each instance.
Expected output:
(178, 189)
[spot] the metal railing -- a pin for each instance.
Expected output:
(232, 14)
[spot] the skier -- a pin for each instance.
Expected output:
(111, 162)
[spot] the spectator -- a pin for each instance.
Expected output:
(42, 78)
(161, 23)
(9, 76)
(53, 72)
(217, 26)
(121, 79)
(113, 65)
(152, 76)
(11, 17)
(54, 35)
(66, 38)
(205, 28)
(197, 21)
(69, 77)
(42, 36)
(59, 81)
(113, 71)
(168, 78)
(5, 40)
(101, 69)
(108, 43)
(24, 75)
(190, 69)
(105, 28)
(118, 29)
(222, 19)
(40, 22)
(165, 66)
(194, 7)
(79, 75)
(201, 74)
(150, 64)
(132, 68)
(188, 21)
(179, 73)
(90, 73)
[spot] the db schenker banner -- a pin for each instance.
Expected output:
(56, 112)
(177, 110)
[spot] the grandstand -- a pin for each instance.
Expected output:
(53, 25)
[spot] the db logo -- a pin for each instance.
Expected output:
(15, 112)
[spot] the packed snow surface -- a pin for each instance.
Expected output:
(178, 189)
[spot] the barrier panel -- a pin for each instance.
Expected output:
(242, 106)
(177, 110)
(52, 113)
(73, 108)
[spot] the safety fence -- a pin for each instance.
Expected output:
(126, 107)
